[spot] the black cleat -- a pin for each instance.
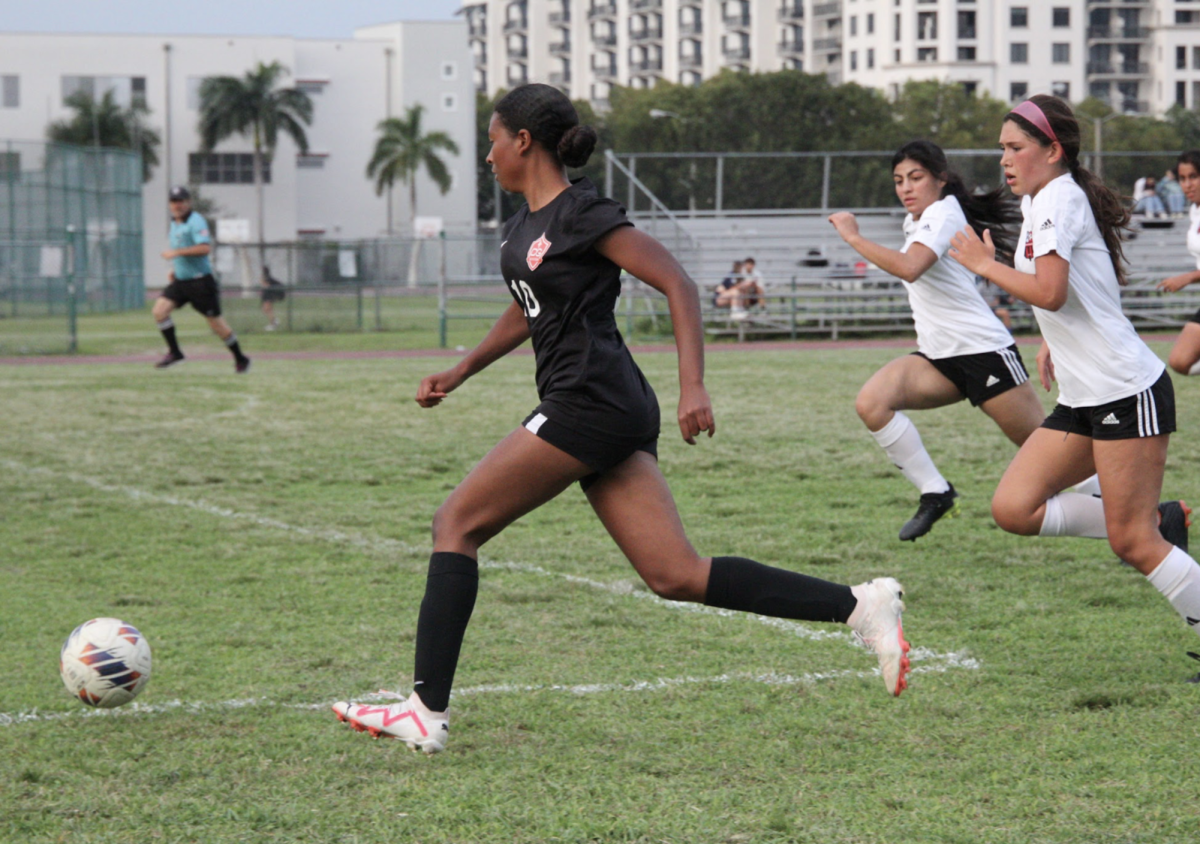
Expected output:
(242, 366)
(1174, 518)
(1196, 657)
(169, 359)
(933, 506)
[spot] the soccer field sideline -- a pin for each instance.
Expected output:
(939, 662)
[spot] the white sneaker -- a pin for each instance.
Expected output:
(876, 623)
(408, 721)
(739, 314)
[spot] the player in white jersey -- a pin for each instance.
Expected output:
(1116, 407)
(1185, 355)
(964, 351)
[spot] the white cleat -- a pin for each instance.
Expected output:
(876, 623)
(411, 724)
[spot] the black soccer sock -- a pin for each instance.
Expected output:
(232, 342)
(735, 583)
(450, 590)
(167, 327)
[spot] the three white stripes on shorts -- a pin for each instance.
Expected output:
(1147, 412)
(1013, 361)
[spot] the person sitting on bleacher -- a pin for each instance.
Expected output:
(1150, 205)
(739, 290)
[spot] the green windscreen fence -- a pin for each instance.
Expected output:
(70, 241)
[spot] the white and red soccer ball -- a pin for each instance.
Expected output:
(105, 662)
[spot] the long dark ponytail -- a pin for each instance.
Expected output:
(550, 119)
(1112, 215)
(994, 210)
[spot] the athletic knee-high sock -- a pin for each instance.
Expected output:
(1178, 579)
(1194, 368)
(450, 589)
(1089, 487)
(735, 583)
(1074, 514)
(167, 327)
(901, 442)
(234, 347)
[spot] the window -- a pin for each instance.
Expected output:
(1018, 53)
(896, 56)
(1061, 53)
(1181, 94)
(870, 59)
(1196, 58)
(311, 86)
(966, 54)
(1181, 58)
(449, 102)
(311, 161)
(72, 85)
(871, 24)
(1061, 16)
(193, 92)
(137, 90)
(1018, 90)
(10, 92)
(926, 26)
(854, 59)
(225, 168)
(970, 88)
(854, 24)
(1019, 17)
(896, 29)
(966, 25)
(1062, 90)
(126, 90)
(450, 71)
(927, 54)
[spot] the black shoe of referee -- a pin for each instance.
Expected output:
(169, 359)
(1174, 518)
(933, 506)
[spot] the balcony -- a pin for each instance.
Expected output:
(604, 39)
(821, 10)
(645, 5)
(735, 54)
(791, 12)
(691, 28)
(1118, 68)
(826, 44)
(560, 48)
(691, 60)
(646, 66)
(650, 33)
(517, 51)
(560, 79)
(561, 17)
(1118, 33)
(1134, 107)
(602, 10)
(477, 28)
(791, 49)
(739, 21)
(516, 25)
(609, 72)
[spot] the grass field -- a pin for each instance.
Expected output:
(269, 535)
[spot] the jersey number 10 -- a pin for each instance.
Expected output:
(525, 297)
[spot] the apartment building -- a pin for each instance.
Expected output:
(1140, 56)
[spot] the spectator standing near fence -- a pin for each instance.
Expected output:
(1185, 354)
(597, 424)
(963, 350)
(1116, 406)
(272, 292)
(191, 281)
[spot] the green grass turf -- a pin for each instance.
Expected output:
(269, 535)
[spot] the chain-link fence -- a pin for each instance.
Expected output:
(70, 240)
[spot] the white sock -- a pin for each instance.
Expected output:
(1089, 487)
(1073, 514)
(1195, 368)
(1178, 579)
(902, 444)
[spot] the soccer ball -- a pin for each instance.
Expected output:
(105, 662)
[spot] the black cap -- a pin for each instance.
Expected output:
(179, 193)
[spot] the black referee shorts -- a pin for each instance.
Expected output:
(598, 455)
(1147, 414)
(201, 292)
(983, 376)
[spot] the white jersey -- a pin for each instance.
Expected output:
(1193, 240)
(951, 316)
(1097, 355)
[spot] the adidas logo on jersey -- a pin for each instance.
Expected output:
(992, 381)
(1111, 419)
(927, 228)
(1046, 226)
(537, 251)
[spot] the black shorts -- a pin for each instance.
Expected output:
(1195, 317)
(202, 293)
(598, 455)
(985, 375)
(274, 293)
(1146, 414)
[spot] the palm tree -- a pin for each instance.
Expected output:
(104, 123)
(254, 106)
(401, 150)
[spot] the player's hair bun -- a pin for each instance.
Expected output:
(576, 145)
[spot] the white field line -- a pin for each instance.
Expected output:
(941, 663)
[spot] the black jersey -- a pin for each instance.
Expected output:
(568, 292)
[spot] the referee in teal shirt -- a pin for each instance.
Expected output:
(191, 281)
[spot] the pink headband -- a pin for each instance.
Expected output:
(1030, 111)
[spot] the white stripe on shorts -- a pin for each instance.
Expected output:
(1147, 414)
(1013, 362)
(535, 423)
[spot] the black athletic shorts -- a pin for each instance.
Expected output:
(201, 292)
(1195, 317)
(1147, 414)
(599, 455)
(985, 375)
(274, 293)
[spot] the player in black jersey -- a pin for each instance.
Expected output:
(597, 423)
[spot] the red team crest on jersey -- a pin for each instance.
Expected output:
(537, 251)
(1029, 247)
